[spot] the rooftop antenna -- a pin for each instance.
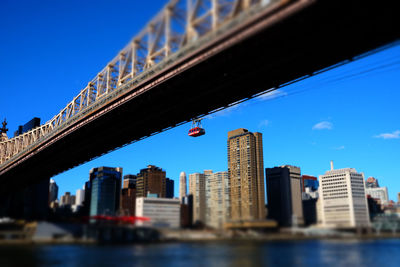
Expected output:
(331, 165)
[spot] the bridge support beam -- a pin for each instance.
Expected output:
(27, 203)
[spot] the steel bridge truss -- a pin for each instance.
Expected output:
(179, 24)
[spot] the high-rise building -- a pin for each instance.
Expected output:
(53, 191)
(246, 174)
(217, 199)
(343, 201)
(182, 185)
(284, 195)
(208, 172)
(169, 187)
(105, 190)
(151, 180)
(197, 188)
(372, 188)
(77, 205)
(310, 189)
(318, 207)
(33, 123)
(309, 211)
(163, 212)
(374, 207)
(309, 197)
(67, 199)
(371, 183)
(79, 197)
(207, 189)
(129, 181)
(380, 193)
(398, 198)
(128, 195)
(85, 210)
(309, 181)
(187, 211)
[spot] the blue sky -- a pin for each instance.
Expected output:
(50, 50)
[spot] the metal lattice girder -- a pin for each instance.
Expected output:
(178, 24)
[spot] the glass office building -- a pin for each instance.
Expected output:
(106, 189)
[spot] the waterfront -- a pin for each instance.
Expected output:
(234, 253)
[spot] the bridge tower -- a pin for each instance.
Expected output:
(25, 201)
(3, 132)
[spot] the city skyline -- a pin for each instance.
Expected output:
(348, 114)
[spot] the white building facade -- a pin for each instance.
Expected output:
(343, 201)
(163, 212)
(217, 199)
(79, 198)
(378, 192)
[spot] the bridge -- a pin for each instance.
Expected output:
(193, 58)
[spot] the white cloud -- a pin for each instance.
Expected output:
(323, 125)
(393, 135)
(225, 111)
(272, 95)
(339, 148)
(263, 123)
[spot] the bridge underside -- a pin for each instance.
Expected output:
(314, 38)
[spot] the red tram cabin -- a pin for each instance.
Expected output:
(196, 129)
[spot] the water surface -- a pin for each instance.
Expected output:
(285, 253)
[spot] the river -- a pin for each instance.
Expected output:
(235, 253)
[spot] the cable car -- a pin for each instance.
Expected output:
(196, 129)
